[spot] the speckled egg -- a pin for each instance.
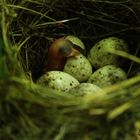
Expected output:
(79, 67)
(58, 80)
(107, 75)
(86, 89)
(99, 56)
(75, 40)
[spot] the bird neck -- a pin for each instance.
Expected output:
(55, 63)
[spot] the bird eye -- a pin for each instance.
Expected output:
(66, 49)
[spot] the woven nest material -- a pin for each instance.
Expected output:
(31, 112)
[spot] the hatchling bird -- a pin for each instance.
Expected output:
(58, 53)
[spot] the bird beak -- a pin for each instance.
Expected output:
(73, 53)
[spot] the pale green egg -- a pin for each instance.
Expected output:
(107, 76)
(75, 40)
(79, 67)
(99, 55)
(86, 89)
(58, 80)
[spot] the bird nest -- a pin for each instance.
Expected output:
(30, 111)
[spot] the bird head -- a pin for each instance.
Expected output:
(63, 48)
(58, 53)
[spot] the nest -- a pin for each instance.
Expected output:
(29, 111)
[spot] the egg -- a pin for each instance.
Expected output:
(86, 89)
(107, 75)
(79, 67)
(58, 80)
(75, 40)
(99, 56)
